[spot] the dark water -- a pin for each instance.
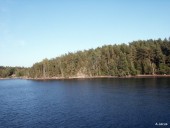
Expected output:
(97, 103)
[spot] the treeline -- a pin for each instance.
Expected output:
(138, 57)
(13, 72)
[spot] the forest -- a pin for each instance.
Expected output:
(142, 57)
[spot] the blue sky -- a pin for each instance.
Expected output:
(31, 30)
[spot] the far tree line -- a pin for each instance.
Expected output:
(13, 72)
(140, 57)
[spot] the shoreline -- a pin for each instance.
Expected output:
(87, 77)
(97, 77)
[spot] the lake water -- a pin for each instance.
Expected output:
(85, 103)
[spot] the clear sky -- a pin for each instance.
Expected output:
(31, 30)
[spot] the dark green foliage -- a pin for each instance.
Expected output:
(139, 57)
(13, 72)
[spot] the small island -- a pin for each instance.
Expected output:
(142, 58)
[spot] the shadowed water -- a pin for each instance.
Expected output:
(92, 103)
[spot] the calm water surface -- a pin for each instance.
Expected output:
(95, 103)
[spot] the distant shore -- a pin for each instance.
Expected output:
(86, 77)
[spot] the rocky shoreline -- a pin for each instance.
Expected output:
(86, 77)
(95, 77)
